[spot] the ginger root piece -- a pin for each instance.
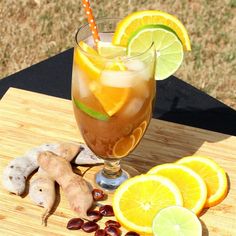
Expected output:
(17, 171)
(74, 186)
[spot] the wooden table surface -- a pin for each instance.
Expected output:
(30, 119)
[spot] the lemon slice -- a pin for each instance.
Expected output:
(108, 50)
(137, 201)
(141, 18)
(169, 49)
(176, 221)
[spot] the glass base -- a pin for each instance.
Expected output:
(94, 176)
(110, 184)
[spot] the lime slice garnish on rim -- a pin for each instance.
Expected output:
(175, 221)
(138, 19)
(169, 49)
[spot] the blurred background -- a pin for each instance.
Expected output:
(34, 30)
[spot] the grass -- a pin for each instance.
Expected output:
(33, 30)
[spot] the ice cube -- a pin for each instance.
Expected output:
(133, 107)
(135, 65)
(119, 79)
(79, 79)
(140, 67)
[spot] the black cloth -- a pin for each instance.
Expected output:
(176, 100)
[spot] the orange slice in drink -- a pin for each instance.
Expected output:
(143, 125)
(123, 146)
(213, 175)
(111, 98)
(191, 185)
(84, 62)
(138, 133)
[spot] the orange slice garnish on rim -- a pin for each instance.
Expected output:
(112, 99)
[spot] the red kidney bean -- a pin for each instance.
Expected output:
(75, 223)
(98, 194)
(89, 227)
(100, 232)
(112, 231)
(106, 210)
(113, 223)
(94, 215)
(131, 233)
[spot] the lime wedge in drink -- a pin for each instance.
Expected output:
(169, 49)
(175, 221)
(89, 111)
(107, 49)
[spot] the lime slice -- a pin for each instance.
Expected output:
(89, 111)
(107, 49)
(175, 221)
(138, 19)
(169, 49)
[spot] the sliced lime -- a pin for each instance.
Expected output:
(175, 221)
(169, 49)
(89, 111)
(107, 49)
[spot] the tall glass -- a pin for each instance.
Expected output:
(112, 99)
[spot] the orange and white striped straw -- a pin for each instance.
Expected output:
(91, 21)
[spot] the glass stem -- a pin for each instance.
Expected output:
(111, 169)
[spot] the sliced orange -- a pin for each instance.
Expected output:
(112, 99)
(139, 199)
(123, 146)
(191, 185)
(132, 22)
(143, 125)
(92, 69)
(213, 175)
(138, 133)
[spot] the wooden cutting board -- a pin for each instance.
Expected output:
(30, 119)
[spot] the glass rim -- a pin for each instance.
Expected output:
(99, 20)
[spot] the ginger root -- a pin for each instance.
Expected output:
(17, 171)
(42, 186)
(74, 186)
(42, 192)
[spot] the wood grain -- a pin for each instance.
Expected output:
(30, 119)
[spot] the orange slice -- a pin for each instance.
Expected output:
(138, 133)
(112, 99)
(143, 125)
(132, 22)
(191, 185)
(213, 175)
(85, 62)
(123, 146)
(137, 200)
